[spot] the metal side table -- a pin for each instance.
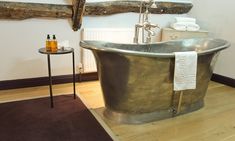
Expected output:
(58, 52)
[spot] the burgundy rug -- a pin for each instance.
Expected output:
(34, 120)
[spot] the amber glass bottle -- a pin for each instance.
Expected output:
(48, 43)
(54, 47)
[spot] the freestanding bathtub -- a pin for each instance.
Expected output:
(137, 79)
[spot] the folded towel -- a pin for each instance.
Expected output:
(185, 26)
(185, 70)
(192, 27)
(185, 19)
(179, 26)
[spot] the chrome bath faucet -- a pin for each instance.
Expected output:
(144, 23)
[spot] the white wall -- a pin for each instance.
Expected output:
(19, 44)
(20, 41)
(217, 16)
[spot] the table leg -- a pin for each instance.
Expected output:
(74, 77)
(50, 79)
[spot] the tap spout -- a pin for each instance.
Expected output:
(152, 33)
(144, 24)
(148, 26)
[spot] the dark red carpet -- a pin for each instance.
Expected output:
(34, 120)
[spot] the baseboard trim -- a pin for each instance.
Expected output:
(88, 76)
(42, 81)
(223, 79)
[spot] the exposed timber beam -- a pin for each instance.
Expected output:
(78, 10)
(21, 11)
(114, 7)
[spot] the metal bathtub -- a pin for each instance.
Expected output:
(137, 79)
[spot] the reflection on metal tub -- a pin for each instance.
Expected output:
(137, 79)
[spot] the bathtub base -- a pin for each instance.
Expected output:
(149, 117)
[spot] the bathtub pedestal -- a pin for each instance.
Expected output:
(149, 117)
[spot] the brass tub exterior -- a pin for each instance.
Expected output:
(137, 80)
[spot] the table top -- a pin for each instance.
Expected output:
(59, 51)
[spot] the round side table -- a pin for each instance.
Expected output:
(58, 52)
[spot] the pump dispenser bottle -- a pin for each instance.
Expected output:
(48, 43)
(54, 46)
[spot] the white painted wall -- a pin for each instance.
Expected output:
(20, 41)
(217, 16)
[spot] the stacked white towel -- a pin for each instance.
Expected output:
(185, 24)
(185, 70)
(185, 19)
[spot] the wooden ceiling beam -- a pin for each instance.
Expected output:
(78, 10)
(21, 11)
(122, 6)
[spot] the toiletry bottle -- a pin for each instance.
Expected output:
(48, 43)
(54, 44)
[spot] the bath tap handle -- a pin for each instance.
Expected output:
(154, 25)
(147, 24)
(138, 25)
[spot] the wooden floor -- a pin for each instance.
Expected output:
(214, 122)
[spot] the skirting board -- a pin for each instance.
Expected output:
(223, 80)
(42, 81)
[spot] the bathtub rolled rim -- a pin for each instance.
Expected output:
(86, 44)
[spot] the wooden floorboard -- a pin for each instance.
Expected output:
(214, 122)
